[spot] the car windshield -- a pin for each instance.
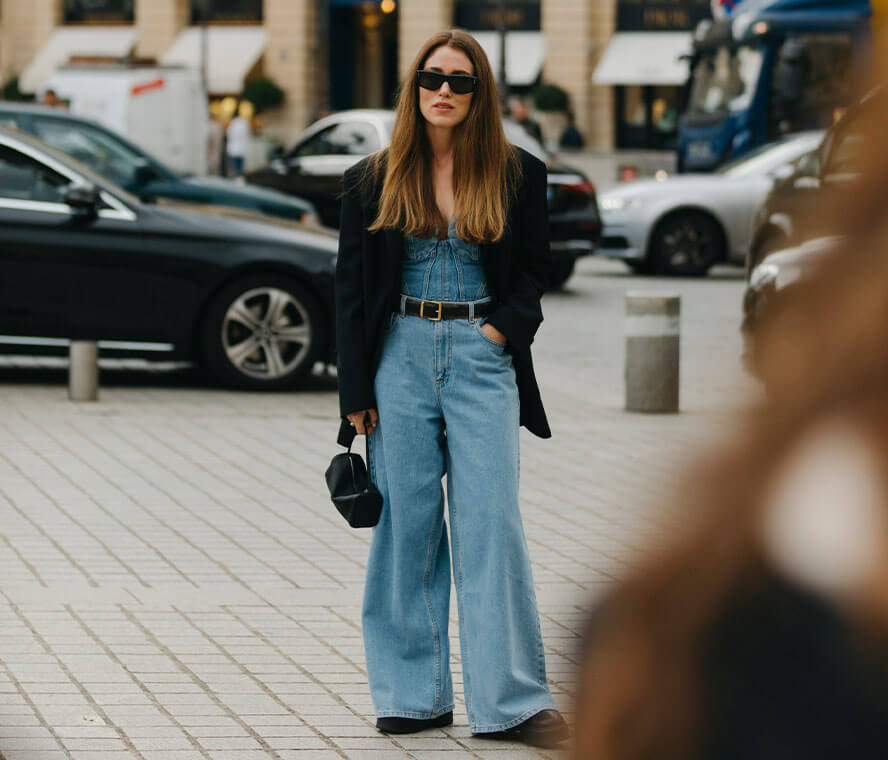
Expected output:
(769, 157)
(725, 79)
(104, 153)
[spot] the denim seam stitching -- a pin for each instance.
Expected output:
(458, 578)
(435, 631)
(409, 714)
(492, 727)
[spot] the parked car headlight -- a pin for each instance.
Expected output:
(618, 203)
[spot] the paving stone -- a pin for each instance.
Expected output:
(180, 577)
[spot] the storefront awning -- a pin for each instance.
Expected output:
(231, 52)
(524, 54)
(645, 58)
(111, 41)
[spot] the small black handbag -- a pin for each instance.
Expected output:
(356, 498)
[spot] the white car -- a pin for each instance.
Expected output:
(682, 225)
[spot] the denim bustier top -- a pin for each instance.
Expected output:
(443, 270)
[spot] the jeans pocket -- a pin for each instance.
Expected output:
(499, 347)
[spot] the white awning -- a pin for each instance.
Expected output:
(524, 54)
(645, 58)
(231, 52)
(112, 41)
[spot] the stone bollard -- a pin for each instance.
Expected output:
(652, 351)
(83, 371)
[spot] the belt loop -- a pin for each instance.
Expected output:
(403, 304)
(472, 311)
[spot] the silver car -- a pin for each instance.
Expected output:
(683, 225)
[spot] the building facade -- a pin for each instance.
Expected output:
(336, 54)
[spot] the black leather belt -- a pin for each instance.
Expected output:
(438, 310)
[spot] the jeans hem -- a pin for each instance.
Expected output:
(489, 728)
(415, 715)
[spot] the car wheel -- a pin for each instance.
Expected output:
(562, 269)
(686, 244)
(263, 332)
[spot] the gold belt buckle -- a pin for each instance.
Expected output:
(440, 306)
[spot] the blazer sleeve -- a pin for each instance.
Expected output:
(353, 365)
(519, 315)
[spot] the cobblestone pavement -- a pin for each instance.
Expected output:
(175, 585)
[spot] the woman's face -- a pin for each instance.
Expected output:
(443, 107)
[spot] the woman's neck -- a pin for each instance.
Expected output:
(441, 140)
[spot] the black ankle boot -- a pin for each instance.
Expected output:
(395, 725)
(546, 729)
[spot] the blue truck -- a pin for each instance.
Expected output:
(773, 67)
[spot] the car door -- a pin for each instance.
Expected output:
(314, 167)
(64, 274)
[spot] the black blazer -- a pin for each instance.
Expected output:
(368, 287)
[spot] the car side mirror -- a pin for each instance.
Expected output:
(83, 198)
(145, 173)
(276, 153)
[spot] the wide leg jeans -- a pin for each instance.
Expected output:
(448, 405)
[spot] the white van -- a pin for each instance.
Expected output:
(162, 109)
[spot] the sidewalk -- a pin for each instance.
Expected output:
(175, 585)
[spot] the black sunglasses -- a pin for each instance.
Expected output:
(461, 84)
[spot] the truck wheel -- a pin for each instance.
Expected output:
(562, 269)
(263, 332)
(687, 244)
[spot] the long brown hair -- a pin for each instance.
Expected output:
(825, 351)
(486, 166)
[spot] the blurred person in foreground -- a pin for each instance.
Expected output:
(760, 631)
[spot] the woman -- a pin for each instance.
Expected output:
(443, 257)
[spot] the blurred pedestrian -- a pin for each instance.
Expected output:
(237, 141)
(215, 140)
(51, 99)
(520, 114)
(570, 139)
(424, 346)
(759, 631)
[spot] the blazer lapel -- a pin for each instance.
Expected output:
(394, 245)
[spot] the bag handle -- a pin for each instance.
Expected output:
(346, 435)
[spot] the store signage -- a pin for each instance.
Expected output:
(98, 11)
(485, 15)
(661, 15)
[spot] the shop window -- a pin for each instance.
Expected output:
(98, 11)
(226, 11)
(647, 117)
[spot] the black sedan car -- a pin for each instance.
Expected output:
(249, 296)
(115, 158)
(313, 170)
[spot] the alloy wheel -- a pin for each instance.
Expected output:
(266, 333)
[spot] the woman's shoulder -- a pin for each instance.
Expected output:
(363, 176)
(531, 166)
